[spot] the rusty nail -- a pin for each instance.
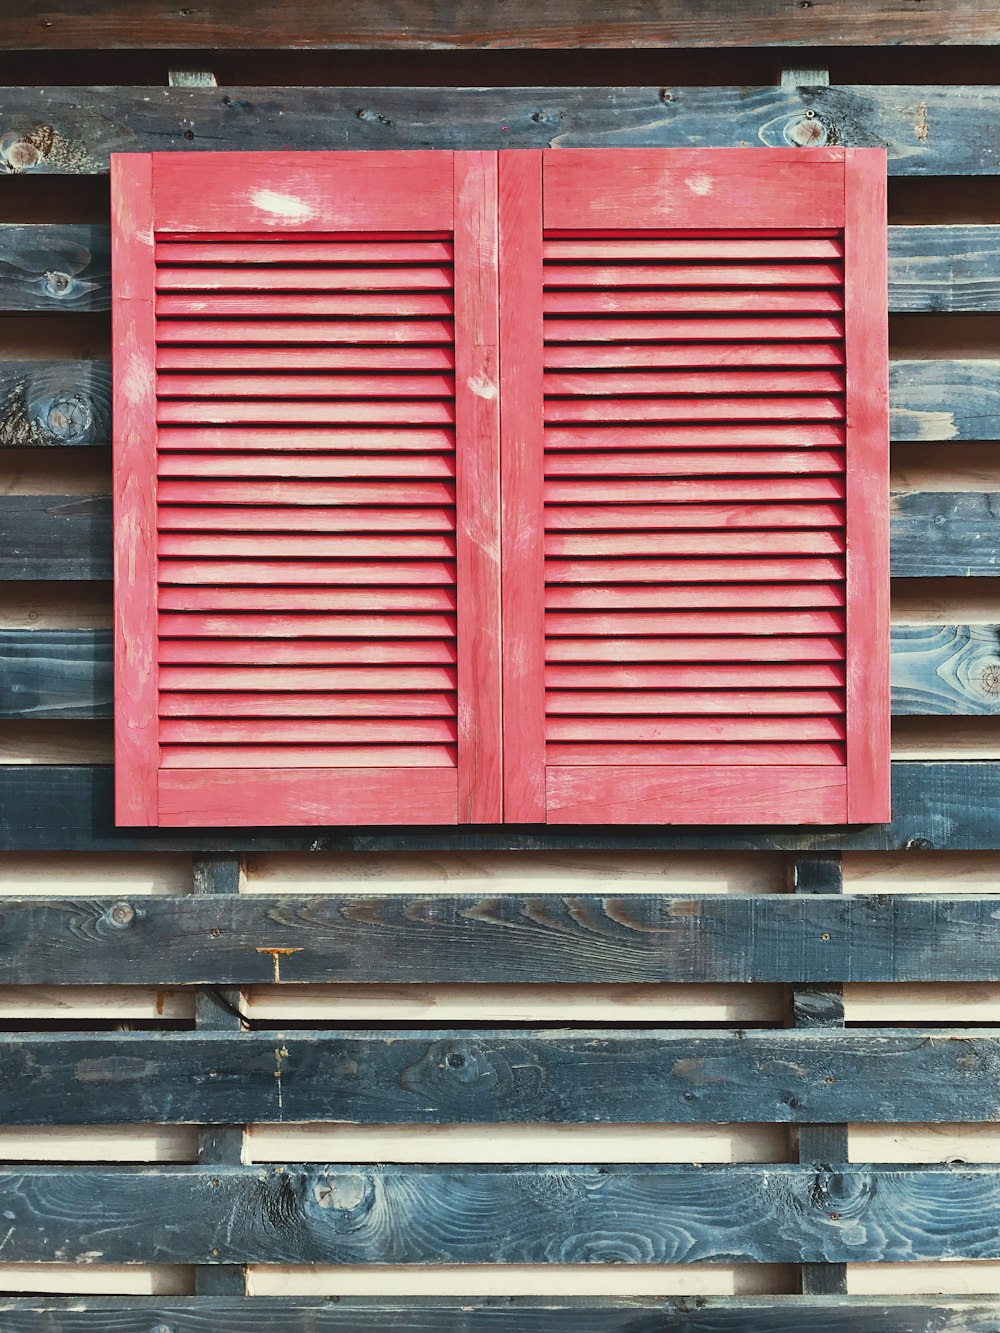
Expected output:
(123, 914)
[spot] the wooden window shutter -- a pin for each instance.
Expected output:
(306, 488)
(695, 527)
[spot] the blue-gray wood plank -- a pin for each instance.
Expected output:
(60, 267)
(934, 535)
(68, 403)
(498, 938)
(949, 805)
(927, 130)
(67, 673)
(600, 1076)
(358, 1314)
(564, 1214)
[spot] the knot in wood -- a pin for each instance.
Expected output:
(58, 284)
(808, 131)
(69, 417)
(123, 914)
(20, 155)
(989, 679)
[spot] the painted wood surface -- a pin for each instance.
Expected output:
(54, 402)
(58, 267)
(808, 1077)
(951, 270)
(942, 401)
(788, 1314)
(68, 403)
(500, 939)
(928, 130)
(948, 670)
(55, 537)
(819, 1009)
(945, 805)
(933, 535)
(477, 24)
(343, 1214)
(50, 673)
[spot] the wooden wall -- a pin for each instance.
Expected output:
(82, 85)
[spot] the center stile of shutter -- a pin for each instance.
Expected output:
(694, 498)
(306, 501)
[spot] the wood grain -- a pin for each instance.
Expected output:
(502, 938)
(942, 805)
(55, 673)
(55, 537)
(476, 24)
(808, 1077)
(54, 402)
(946, 533)
(55, 268)
(507, 1215)
(70, 131)
(767, 1314)
(68, 403)
(953, 269)
(936, 669)
(940, 669)
(942, 401)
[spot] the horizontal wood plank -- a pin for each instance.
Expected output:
(69, 537)
(54, 402)
(948, 670)
(604, 1076)
(59, 267)
(71, 131)
(411, 26)
(944, 806)
(499, 939)
(55, 267)
(51, 673)
(944, 400)
(55, 537)
(761, 1314)
(68, 403)
(423, 1215)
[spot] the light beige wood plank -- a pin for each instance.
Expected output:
(70, 1003)
(518, 1004)
(98, 1279)
(923, 1002)
(924, 1143)
(94, 874)
(922, 872)
(516, 1143)
(56, 743)
(947, 1278)
(517, 872)
(99, 1143)
(524, 1280)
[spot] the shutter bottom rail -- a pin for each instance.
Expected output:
(764, 1314)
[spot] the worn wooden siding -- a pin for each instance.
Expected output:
(439, 1036)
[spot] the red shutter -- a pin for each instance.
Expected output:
(695, 540)
(307, 489)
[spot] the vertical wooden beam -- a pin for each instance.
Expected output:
(819, 1007)
(218, 1009)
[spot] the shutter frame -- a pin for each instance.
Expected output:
(603, 192)
(281, 197)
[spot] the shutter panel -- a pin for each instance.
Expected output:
(701, 461)
(319, 508)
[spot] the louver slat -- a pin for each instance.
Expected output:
(316, 447)
(698, 561)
